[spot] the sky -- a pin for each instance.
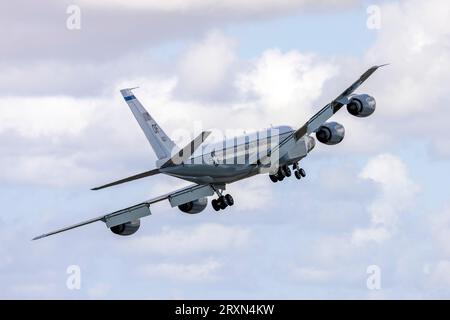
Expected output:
(377, 201)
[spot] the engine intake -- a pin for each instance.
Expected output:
(331, 133)
(126, 229)
(195, 206)
(361, 105)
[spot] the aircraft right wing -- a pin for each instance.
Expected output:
(176, 198)
(334, 106)
(313, 124)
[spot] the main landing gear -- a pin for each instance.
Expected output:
(222, 202)
(285, 172)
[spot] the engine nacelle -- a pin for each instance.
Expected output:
(331, 133)
(126, 229)
(195, 206)
(361, 105)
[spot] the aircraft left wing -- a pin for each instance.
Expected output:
(176, 198)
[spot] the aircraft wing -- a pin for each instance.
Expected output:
(313, 124)
(142, 209)
(334, 106)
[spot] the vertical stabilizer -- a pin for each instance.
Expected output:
(160, 142)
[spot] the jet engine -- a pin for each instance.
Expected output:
(195, 206)
(126, 229)
(361, 105)
(331, 133)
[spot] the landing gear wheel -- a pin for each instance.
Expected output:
(302, 172)
(286, 171)
(273, 178)
(229, 200)
(295, 166)
(280, 178)
(215, 205)
(222, 202)
(297, 174)
(280, 173)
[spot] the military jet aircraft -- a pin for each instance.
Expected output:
(274, 151)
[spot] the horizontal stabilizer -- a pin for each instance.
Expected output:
(135, 177)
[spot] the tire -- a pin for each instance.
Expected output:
(280, 173)
(273, 178)
(222, 202)
(302, 172)
(229, 200)
(280, 178)
(287, 171)
(297, 174)
(215, 204)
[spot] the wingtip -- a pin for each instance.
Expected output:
(383, 65)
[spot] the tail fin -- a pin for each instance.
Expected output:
(160, 142)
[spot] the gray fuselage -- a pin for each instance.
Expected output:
(229, 161)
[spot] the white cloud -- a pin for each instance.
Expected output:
(235, 6)
(48, 116)
(207, 237)
(397, 188)
(371, 234)
(397, 194)
(284, 85)
(438, 274)
(5, 259)
(56, 171)
(55, 140)
(252, 194)
(206, 66)
(99, 290)
(37, 291)
(440, 227)
(310, 275)
(412, 100)
(196, 272)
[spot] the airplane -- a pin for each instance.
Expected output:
(274, 151)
